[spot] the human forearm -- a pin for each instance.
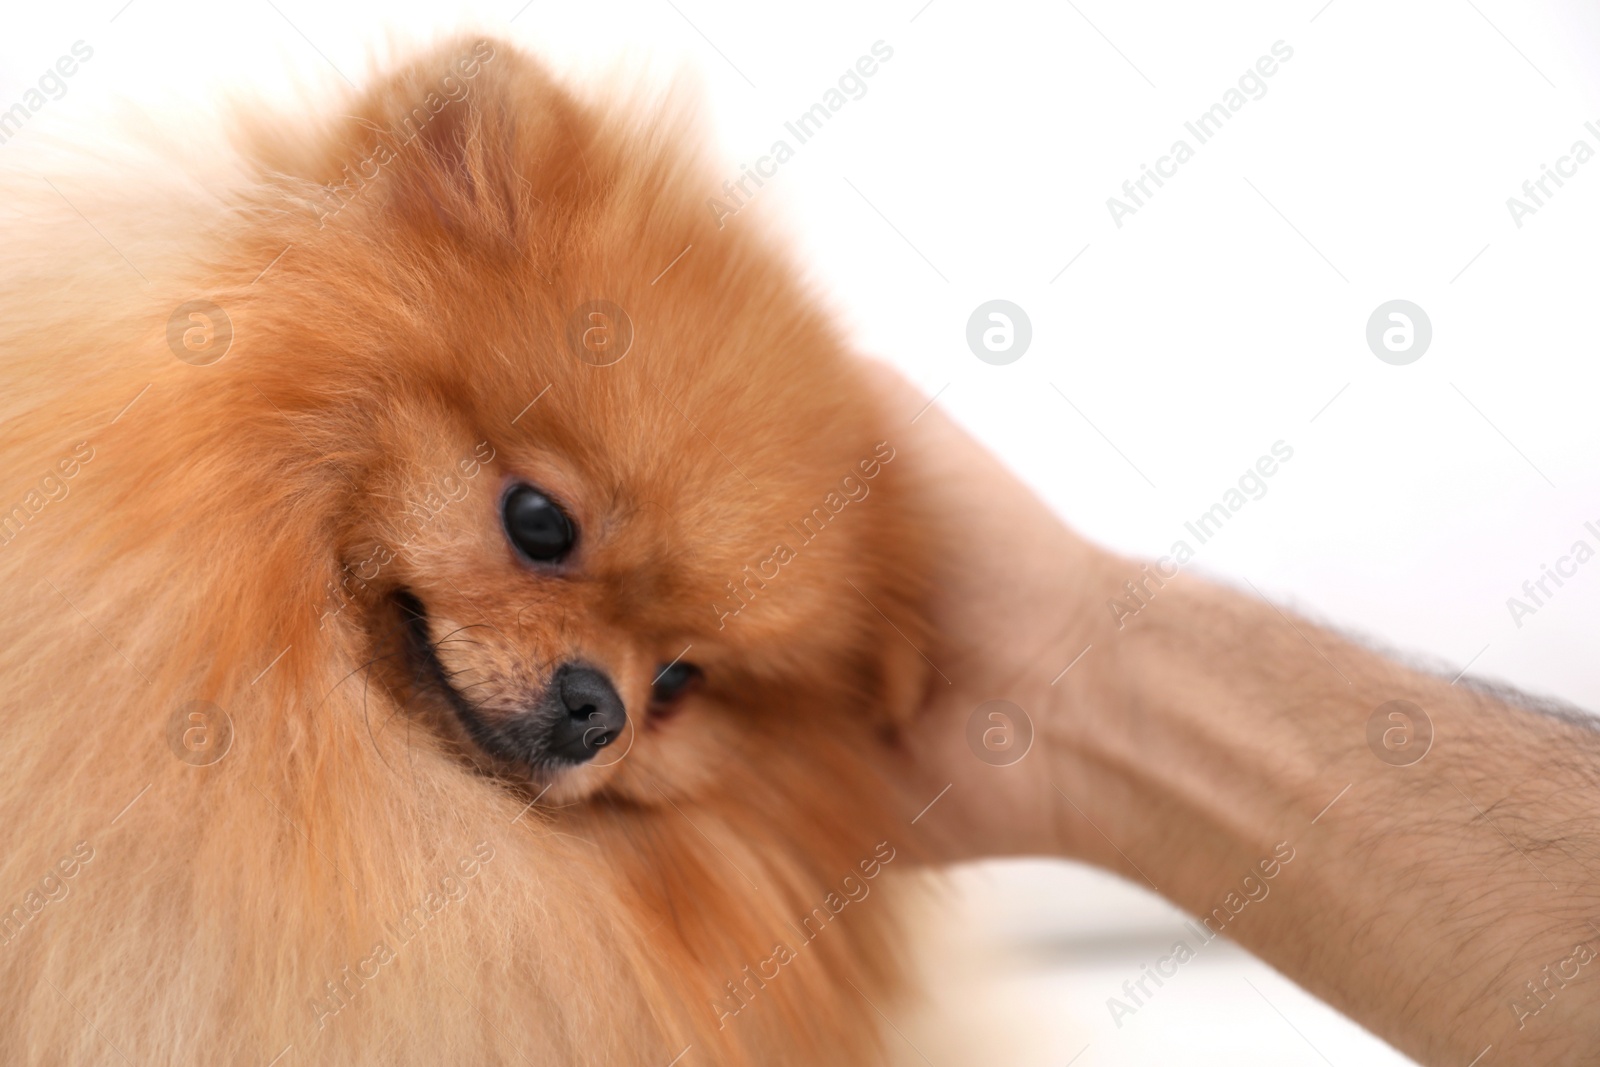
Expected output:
(1212, 734)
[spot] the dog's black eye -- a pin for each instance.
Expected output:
(540, 530)
(672, 681)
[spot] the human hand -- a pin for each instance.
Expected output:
(1017, 598)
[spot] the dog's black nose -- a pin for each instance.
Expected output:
(588, 713)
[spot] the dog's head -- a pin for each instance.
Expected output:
(617, 503)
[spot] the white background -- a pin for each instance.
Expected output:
(1227, 314)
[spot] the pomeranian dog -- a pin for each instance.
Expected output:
(454, 587)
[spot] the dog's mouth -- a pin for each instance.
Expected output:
(577, 716)
(422, 658)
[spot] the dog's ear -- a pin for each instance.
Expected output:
(900, 637)
(901, 674)
(474, 143)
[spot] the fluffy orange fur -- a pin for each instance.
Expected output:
(350, 883)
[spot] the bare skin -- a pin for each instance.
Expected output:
(1450, 904)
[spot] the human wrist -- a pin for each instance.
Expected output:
(1170, 770)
